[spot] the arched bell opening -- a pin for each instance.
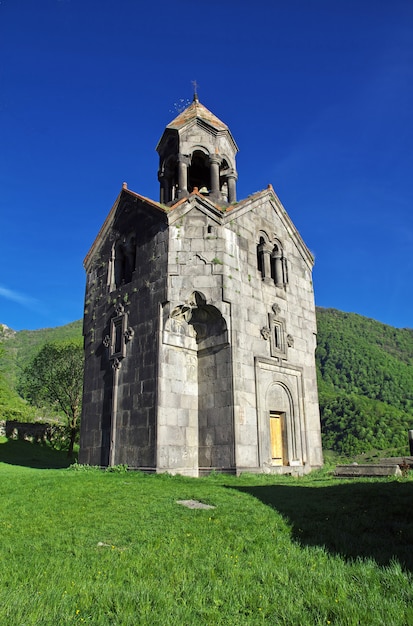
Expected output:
(199, 173)
(223, 180)
(168, 177)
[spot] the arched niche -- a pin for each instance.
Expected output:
(208, 324)
(206, 331)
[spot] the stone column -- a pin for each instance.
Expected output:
(214, 162)
(278, 278)
(166, 190)
(162, 181)
(114, 413)
(232, 191)
(182, 176)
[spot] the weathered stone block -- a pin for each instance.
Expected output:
(370, 471)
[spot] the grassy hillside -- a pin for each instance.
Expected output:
(365, 383)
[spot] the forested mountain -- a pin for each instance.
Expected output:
(365, 379)
(365, 383)
(17, 349)
(20, 347)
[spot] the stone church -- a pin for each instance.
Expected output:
(199, 323)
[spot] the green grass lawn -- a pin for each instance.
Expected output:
(92, 547)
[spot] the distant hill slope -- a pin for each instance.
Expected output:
(365, 382)
(365, 378)
(21, 346)
(16, 350)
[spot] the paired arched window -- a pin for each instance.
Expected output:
(271, 262)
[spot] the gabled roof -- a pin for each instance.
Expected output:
(224, 213)
(251, 202)
(195, 199)
(124, 193)
(196, 110)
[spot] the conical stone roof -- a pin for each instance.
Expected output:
(194, 111)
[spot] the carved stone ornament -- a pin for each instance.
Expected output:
(266, 333)
(119, 308)
(116, 364)
(129, 333)
(290, 341)
(106, 341)
(184, 312)
(114, 235)
(276, 308)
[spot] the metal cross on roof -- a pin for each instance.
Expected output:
(195, 86)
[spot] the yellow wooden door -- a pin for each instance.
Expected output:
(276, 434)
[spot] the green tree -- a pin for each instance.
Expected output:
(54, 378)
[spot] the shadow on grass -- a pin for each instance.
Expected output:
(38, 456)
(360, 519)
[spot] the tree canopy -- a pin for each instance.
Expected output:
(54, 378)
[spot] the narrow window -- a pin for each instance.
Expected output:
(260, 256)
(119, 265)
(125, 260)
(277, 336)
(117, 336)
(117, 339)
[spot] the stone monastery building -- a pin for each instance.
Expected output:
(200, 325)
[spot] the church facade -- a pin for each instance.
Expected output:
(199, 323)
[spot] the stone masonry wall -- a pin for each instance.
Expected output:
(256, 305)
(195, 402)
(137, 373)
(218, 258)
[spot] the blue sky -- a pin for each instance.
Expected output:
(318, 95)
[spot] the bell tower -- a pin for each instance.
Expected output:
(199, 322)
(197, 152)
